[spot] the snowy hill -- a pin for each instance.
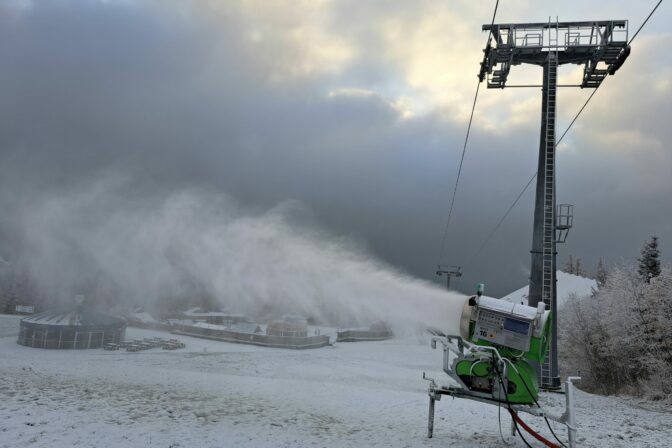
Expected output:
(217, 394)
(567, 284)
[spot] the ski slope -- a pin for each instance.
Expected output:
(568, 284)
(214, 394)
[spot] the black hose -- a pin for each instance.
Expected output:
(508, 405)
(539, 406)
(499, 421)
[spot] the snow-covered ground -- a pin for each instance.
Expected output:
(215, 394)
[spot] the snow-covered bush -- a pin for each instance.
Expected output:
(620, 339)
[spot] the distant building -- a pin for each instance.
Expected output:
(139, 315)
(73, 327)
(289, 325)
(289, 332)
(24, 309)
(246, 327)
(378, 331)
(213, 317)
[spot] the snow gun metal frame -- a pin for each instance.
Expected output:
(494, 361)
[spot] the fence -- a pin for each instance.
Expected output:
(293, 342)
(363, 335)
(68, 337)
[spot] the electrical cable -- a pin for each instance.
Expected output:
(515, 369)
(459, 172)
(560, 139)
(511, 411)
(464, 149)
(501, 221)
(645, 20)
(539, 406)
(508, 405)
(499, 421)
(600, 84)
(532, 432)
(553, 432)
(534, 399)
(534, 176)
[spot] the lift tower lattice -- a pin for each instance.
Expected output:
(601, 47)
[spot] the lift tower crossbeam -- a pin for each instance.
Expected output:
(449, 271)
(602, 47)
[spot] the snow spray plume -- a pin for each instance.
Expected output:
(199, 248)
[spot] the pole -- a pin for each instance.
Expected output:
(430, 419)
(569, 401)
(449, 271)
(536, 272)
(543, 260)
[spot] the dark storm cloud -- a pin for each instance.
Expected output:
(176, 98)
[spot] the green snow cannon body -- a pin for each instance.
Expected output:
(521, 335)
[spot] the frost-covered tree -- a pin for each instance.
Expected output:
(578, 268)
(649, 261)
(619, 338)
(569, 265)
(584, 347)
(10, 299)
(600, 273)
(659, 296)
(574, 267)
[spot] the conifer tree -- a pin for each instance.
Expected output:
(649, 261)
(601, 273)
(569, 266)
(578, 269)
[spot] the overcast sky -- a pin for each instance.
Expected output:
(357, 109)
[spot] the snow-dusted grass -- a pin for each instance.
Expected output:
(215, 394)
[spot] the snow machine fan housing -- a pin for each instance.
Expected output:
(498, 350)
(516, 330)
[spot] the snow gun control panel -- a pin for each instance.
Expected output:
(503, 329)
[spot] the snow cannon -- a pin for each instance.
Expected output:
(495, 358)
(500, 343)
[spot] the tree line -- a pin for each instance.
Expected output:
(619, 339)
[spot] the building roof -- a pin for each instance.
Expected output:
(207, 325)
(142, 316)
(74, 316)
(568, 284)
(294, 318)
(199, 312)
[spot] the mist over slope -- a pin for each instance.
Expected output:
(194, 246)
